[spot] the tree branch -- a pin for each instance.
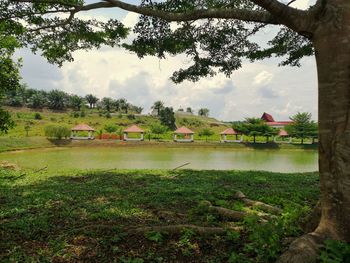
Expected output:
(63, 23)
(289, 16)
(229, 13)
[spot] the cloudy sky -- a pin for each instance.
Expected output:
(255, 88)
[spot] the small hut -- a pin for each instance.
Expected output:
(185, 134)
(230, 132)
(283, 134)
(82, 128)
(134, 129)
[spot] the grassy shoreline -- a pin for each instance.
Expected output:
(26, 143)
(79, 216)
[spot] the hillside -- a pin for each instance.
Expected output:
(98, 120)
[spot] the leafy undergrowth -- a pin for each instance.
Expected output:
(87, 216)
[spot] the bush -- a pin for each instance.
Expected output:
(108, 115)
(75, 114)
(57, 132)
(82, 114)
(131, 116)
(37, 116)
(110, 128)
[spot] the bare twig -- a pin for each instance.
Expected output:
(180, 166)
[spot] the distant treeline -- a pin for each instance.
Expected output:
(60, 100)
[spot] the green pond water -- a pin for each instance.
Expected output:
(165, 158)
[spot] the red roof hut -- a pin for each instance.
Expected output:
(133, 129)
(283, 134)
(82, 128)
(186, 133)
(229, 132)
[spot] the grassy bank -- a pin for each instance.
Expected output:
(90, 216)
(22, 143)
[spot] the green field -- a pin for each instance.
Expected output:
(94, 216)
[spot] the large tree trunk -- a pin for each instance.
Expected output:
(332, 46)
(331, 41)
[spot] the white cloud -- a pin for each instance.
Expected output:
(303, 4)
(263, 78)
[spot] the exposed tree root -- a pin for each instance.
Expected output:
(311, 222)
(226, 213)
(252, 203)
(303, 250)
(175, 229)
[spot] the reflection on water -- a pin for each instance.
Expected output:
(166, 158)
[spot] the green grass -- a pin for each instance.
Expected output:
(85, 215)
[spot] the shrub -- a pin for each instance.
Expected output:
(131, 116)
(57, 132)
(82, 114)
(335, 252)
(110, 128)
(75, 114)
(37, 116)
(108, 115)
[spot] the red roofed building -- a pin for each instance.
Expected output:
(272, 123)
(185, 133)
(133, 129)
(82, 128)
(267, 117)
(230, 132)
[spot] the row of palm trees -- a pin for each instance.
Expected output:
(60, 100)
(159, 105)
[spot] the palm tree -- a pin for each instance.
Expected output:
(91, 99)
(76, 102)
(57, 99)
(158, 106)
(121, 104)
(107, 103)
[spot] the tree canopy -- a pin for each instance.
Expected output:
(302, 127)
(216, 44)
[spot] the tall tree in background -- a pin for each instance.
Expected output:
(203, 112)
(92, 100)
(158, 106)
(220, 41)
(107, 103)
(302, 127)
(38, 100)
(75, 102)
(167, 118)
(57, 99)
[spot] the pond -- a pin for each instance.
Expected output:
(165, 158)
